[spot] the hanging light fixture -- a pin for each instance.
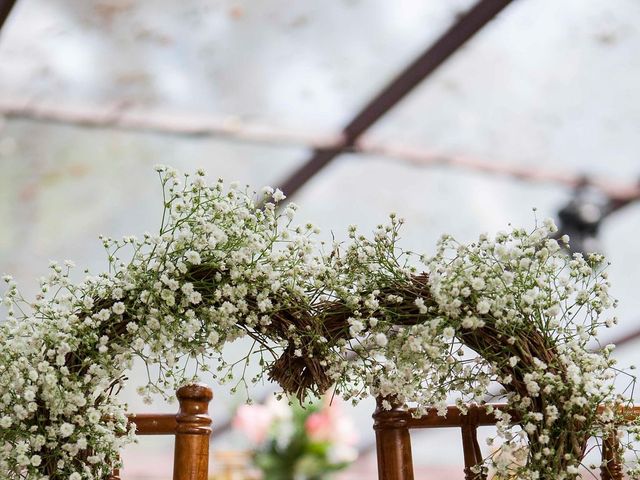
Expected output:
(582, 216)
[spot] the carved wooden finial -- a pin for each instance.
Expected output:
(191, 459)
(393, 442)
(193, 416)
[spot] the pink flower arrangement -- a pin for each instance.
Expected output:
(298, 442)
(330, 424)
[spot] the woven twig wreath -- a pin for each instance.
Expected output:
(363, 316)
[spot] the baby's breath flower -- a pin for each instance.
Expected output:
(278, 196)
(511, 310)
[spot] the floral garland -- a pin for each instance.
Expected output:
(512, 311)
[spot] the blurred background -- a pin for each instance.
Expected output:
(461, 116)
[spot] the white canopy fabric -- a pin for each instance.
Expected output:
(549, 85)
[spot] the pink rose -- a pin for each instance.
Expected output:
(254, 421)
(319, 427)
(330, 424)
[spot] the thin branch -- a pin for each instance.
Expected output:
(120, 117)
(616, 191)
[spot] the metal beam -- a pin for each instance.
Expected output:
(462, 30)
(5, 10)
(630, 337)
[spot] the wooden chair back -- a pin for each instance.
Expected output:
(393, 441)
(191, 427)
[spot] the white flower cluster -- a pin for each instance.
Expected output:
(64, 355)
(513, 311)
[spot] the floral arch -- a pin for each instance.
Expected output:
(362, 315)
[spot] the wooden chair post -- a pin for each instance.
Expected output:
(393, 443)
(471, 451)
(193, 430)
(611, 468)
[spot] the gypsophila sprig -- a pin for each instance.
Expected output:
(511, 311)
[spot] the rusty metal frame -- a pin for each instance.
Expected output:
(467, 24)
(5, 9)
